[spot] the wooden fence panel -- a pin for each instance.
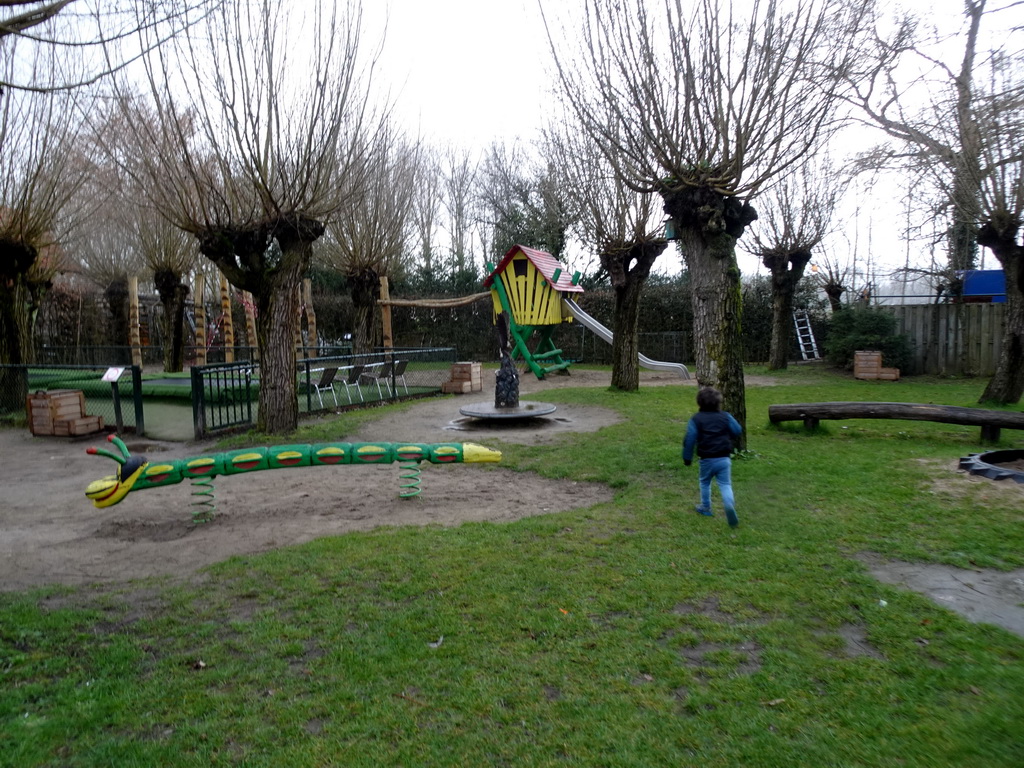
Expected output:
(952, 339)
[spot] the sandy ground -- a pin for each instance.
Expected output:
(51, 534)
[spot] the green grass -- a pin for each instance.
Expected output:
(633, 633)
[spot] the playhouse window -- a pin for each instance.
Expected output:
(519, 267)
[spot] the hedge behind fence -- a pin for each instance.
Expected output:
(666, 323)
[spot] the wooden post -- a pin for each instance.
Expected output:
(385, 312)
(312, 338)
(300, 353)
(133, 320)
(199, 299)
(226, 323)
(250, 325)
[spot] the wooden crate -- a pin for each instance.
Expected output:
(471, 373)
(47, 408)
(458, 387)
(867, 365)
(83, 425)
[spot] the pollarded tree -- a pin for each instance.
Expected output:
(1000, 118)
(171, 255)
(366, 238)
(920, 86)
(704, 106)
(833, 278)
(41, 170)
(131, 238)
(108, 255)
(796, 214)
(253, 139)
(620, 225)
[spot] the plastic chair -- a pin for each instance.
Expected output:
(352, 380)
(400, 367)
(326, 382)
(377, 376)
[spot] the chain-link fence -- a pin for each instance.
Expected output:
(118, 403)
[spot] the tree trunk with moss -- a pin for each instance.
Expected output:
(786, 269)
(269, 260)
(1007, 385)
(709, 224)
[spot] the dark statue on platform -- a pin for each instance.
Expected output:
(506, 383)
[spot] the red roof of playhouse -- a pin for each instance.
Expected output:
(545, 263)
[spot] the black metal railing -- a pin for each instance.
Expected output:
(222, 396)
(225, 395)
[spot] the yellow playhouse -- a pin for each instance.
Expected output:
(529, 285)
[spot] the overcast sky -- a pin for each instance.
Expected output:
(473, 71)
(466, 71)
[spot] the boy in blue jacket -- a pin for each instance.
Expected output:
(712, 431)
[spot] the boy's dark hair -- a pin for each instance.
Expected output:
(709, 399)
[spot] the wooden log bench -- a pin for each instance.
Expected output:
(811, 413)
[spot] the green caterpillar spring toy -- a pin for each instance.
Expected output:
(136, 473)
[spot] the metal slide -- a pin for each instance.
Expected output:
(590, 323)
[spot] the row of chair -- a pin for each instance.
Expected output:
(356, 376)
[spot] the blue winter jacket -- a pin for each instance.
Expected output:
(711, 433)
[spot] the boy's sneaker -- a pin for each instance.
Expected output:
(704, 511)
(730, 515)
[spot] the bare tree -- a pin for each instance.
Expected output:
(257, 141)
(1000, 120)
(27, 14)
(366, 240)
(108, 255)
(132, 238)
(705, 106)
(41, 170)
(91, 38)
(620, 225)
(933, 122)
(459, 200)
(796, 214)
(171, 255)
(425, 207)
(521, 201)
(833, 279)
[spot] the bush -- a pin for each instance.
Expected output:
(862, 328)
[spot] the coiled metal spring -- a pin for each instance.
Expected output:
(410, 479)
(202, 505)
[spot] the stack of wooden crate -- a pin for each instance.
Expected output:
(868, 365)
(60, 412)
(466, 378)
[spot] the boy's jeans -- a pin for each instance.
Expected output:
(721, 470)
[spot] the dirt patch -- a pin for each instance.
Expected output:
(51, 534)
(951, 481)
